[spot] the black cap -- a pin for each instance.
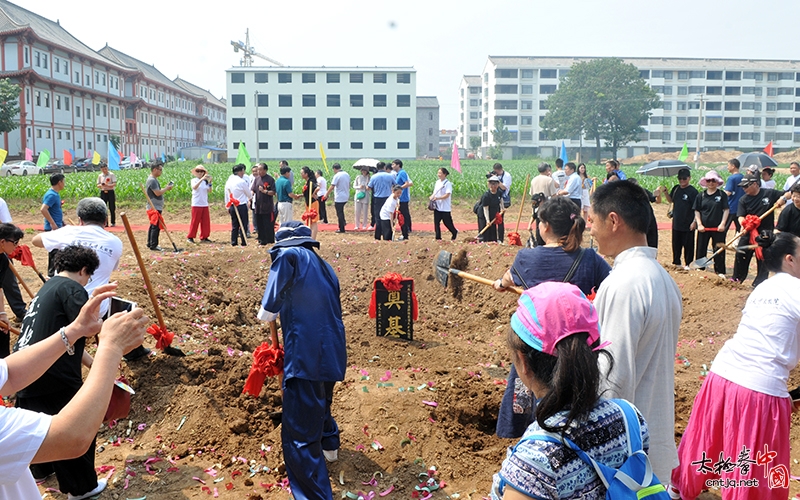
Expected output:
(749, 179)
(684, 173)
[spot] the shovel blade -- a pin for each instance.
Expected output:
(441, 267)
(700, 263)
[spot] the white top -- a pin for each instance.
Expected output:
(200, 195)
(389, 206)
(107, 246)
(360, 184)
(639, 308)
(574, 186)
(5, 215)
(22, 432)
(239, 187)
(770, 184)
(441, 188)
(559, 177)
(323, 186)
(341, 186)
(766, 346)
(790, 182)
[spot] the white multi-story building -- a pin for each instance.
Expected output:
(470, 110)
(75, 98)
(745, 104)
(286, 112)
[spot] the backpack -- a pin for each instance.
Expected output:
(635, 478)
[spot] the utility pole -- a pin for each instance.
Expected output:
(699, 127)
(255, 102)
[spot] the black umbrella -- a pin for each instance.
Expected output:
(759, 159)
(663, 168)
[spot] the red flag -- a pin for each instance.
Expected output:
(23, 254)
(232, 201)
(67, 157)
(768, 149)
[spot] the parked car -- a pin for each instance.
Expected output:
(126, 163)
(55, 167)
(83, 165)
(22, 168)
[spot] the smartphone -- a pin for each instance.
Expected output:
(119, 305)
(171, 183)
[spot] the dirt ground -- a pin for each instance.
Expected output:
(404, 407)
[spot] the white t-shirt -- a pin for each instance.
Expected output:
(441, 188)
(239, 187)
(341, 186)
(766, 345)
(200, 195)
(5, 215)
(770, 184)
(22, 432)
(560, 178)
(107, 246)
(388, 208)
(323, 186)
(790, 182)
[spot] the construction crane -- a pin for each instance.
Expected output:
(249, 52)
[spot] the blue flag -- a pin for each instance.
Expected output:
(113, 157)
(163, 158)
(564, 156)
(72, 152)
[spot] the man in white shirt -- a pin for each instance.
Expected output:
(794, 169)
(238, 189)
(248, 178)
(572, 188)
(559, 176)
(322, 183)
(341, 186)
(505, 183)
(639, 308)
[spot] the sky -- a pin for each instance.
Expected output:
(442, 39)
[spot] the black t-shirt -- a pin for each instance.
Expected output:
(493, 201)
(758, 205)
(57, 304)
(789, 220)
(711, 207)
(263, 200)
(652, 230)
(3, 266)
(310, 187)
(682, 203)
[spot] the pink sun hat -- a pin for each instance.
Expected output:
(552, 311)
(710, 175)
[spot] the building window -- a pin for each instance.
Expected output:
(333, 145)
(237, 77)
(334, 123)
(334, 100)
(379, 124)
(379, 78)
(356, 145)
(733, 90)
(262, 100)
(263, 145)
(785, 106)
(356, 77)
(309, 77)
(263, 124)
(403, 145)
(285, 78)
(77, 111)
(526, 136)
(238, 124)
(379, 145)
(309, 100)
(731, 121)
(356, 100)
(379, 100)
(332, 78)
(309, 145)
(309, 124)
(284, 124)
(88, 113)
(356, 124)
(713, 121)
(403, 101)
(527, 73)
(713, 75)
(404, 124)
(506, 89)
(713, 90)
(237, 100)
(285, 100)
(403, 77)
(473, 102)
(527, 89)
(547, 89)
(506, 104)
(286, 145)
(548, 73)
(731, 106)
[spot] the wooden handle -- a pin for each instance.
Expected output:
(19, 278)
(522, 202)
(480, 279)
(488, 225)
(150, 291)
(740, 233)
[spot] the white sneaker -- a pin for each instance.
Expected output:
(331, 455)
(101, 485)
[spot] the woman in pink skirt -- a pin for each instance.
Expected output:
(737, 438)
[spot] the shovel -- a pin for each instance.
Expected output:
(705, 261)
(442, 270)
(161, 220)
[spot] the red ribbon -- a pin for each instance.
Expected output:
(232, 201)
(751, 224)
(309, 215)
(162, 335)
(514, 239)
(400, 219)
(267, 362)
(498, 218)
(155, 218)
(23, 254)
(393, 283)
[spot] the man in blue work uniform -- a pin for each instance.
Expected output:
(381, 186)
(304, 290)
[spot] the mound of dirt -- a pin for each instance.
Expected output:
(705, 157)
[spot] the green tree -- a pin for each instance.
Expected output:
(501, 136)
(9, 105)
(602, 99)
(116, 141)
(474, 144)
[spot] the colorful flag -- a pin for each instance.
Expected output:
(67, 156)
(96, 156)
(768, 149)
(147, 157)
(3, 154)
(564, 157)
(208, 155)
(163, 158)
(44, 157)
(134, 159)
(113, 157)
(684, 153)
(324, 159)
(243, 156)
(455, 161)
(28, 154)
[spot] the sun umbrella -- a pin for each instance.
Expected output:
(370, 163)
(757, 158)
(663, 168)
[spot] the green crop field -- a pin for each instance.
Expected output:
(468, 185)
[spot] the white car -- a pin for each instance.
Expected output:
(21, 168)
(125, 164)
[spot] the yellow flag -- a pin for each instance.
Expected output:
(324, 162)
(208, 155)
(95, 158)
(3, 154)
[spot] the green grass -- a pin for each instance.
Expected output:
(468, 185)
